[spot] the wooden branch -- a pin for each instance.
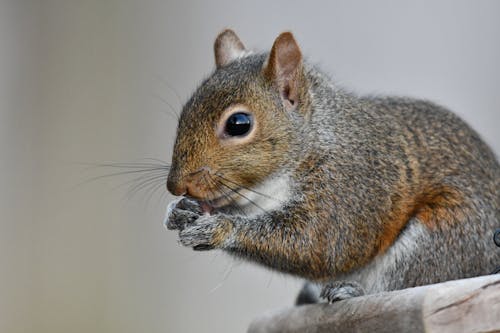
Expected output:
(469, 305)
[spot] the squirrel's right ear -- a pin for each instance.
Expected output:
(284, 68)
(227, 47)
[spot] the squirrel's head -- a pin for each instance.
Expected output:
(241, 124)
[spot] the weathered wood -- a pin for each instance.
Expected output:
(469, 305)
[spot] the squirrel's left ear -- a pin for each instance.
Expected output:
(227, 47)
(284, 67)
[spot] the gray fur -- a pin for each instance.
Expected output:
(358, 152)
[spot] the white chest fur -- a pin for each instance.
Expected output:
(267, 196)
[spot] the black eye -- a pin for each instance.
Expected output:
(238, 124)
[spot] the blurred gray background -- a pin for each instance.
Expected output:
(91, 81)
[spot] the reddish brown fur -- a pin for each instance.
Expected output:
(434, 207)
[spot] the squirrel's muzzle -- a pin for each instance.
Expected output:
(175, 187)
(193, 184)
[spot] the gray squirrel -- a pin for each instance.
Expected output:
(276, 164)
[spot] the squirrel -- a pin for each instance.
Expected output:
(276, 164)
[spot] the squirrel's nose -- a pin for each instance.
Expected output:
(191, 185)
(175, 187)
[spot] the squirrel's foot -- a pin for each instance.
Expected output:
(340, 290)
(206, 232)
(180, 213)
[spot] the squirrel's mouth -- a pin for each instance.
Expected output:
(219, 202)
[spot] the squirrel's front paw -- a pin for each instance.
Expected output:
(206, 233)
(339, 290)
(181, 212)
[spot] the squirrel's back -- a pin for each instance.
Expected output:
(431, 184)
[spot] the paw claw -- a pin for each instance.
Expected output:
(180, 213)
(203, 247)
(189, 205)
(340, 290)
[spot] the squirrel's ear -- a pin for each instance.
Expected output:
(227, 47)
(283, 67)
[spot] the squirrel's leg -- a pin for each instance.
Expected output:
(340, 290)
(309, 294)
(269, 238)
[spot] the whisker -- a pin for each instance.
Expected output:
(245, 197)
(173, 112)
(169, 86)
(141, 179)
(248, 189)
(143, 184)
(210, 181)
(149, 176)
(224, 278)
(226, 195)
(149, 186)
(121, 173)
(142, 164)
(157, 160)
(153, 191)
(210, 201)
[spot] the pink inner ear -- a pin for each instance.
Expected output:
(286, 96)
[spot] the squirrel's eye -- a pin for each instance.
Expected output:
(238, 124)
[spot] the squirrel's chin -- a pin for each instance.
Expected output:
(216, 204)
(210, 206)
